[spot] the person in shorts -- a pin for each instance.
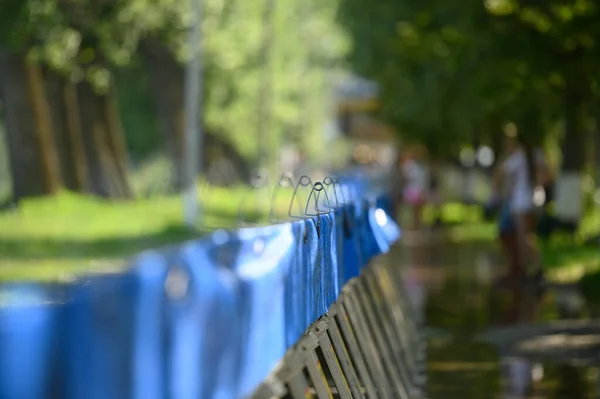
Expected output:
(517, 175)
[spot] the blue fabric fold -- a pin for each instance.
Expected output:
(296, 299)
(29, 365)
(149, 361)
(97, 332)
(264, 273)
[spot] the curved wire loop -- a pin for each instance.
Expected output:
(259, 180)
(333, 181)
(341, 191)
(316, 191)
(286, 180)
(303, 181)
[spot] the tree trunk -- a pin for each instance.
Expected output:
(573, 143)
(89, 138)
(102, 144)
(167, 88)
(569, 193)
(67, 131)
(33, 162)
(167, 84)
(43, 122)
(597, 156)
(497, 144)
(75, 135)
(116, 139)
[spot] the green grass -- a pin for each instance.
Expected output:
(567, 263)
(565, 260)
(455, 213)
(59, 237)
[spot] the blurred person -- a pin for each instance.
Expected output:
(397, 184)
(415, 185)
(514, 185)
(434, 192)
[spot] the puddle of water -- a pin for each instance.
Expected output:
(518, 357)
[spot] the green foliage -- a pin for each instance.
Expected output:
(45, 238)
(88, 39)
(455, 71)
(137, 111)
(305, 44)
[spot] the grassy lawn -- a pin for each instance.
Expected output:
(59, 237)
(567, 263)
(55, 238)
(567, 260)
(564, 259)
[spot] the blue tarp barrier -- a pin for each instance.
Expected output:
(263, 273)
(208, 318)
(148, 353)
(97, 329)
(296, 301)
(29, 317)
(352, 253)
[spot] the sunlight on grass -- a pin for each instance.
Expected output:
(71, 216)
(56, 270)
(59, 237)
(572, 272)
(473, 232)
(63, 236)
(454, 213)
(568, 263)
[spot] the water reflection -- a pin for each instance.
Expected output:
(518, 374)
(493, 343)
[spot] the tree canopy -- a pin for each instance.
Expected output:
(455, 71)
(140, 46)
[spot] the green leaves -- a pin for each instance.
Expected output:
(89, 39)
(447, 68)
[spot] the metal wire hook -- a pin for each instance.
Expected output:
(331, 181)
(303, 181)
(318, 187)
(286, 180)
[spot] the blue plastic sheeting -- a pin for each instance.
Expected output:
(296, 301)
(352, 252)
(262, 272)
(148, 354)
(202, 327)
(96, 329)
(207, 319)
(29, 318)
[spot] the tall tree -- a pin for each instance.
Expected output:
(447, 68)
(33, 162)
(90, 149)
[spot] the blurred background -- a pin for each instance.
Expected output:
(93, 107)
(98, 103)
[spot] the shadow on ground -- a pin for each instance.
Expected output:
(114, 247)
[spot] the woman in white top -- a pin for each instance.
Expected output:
(517, 174)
